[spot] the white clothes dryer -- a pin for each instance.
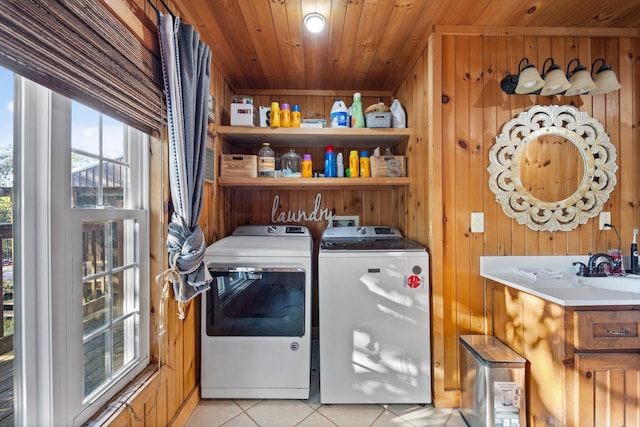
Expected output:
(256, 318)
(374, 319)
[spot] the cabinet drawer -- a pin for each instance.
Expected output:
(606, 330)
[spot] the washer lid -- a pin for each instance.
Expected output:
(261, 246)
(367, 238)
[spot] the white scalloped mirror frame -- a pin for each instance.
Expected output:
(597, 152)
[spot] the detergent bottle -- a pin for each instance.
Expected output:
(339, 113)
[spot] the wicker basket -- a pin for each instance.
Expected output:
(378, 120)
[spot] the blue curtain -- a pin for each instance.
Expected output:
(186, 64)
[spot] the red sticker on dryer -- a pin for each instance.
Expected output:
(413, 281)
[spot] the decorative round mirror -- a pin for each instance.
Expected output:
(552, 168)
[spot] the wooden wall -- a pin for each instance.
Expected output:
(456, 87)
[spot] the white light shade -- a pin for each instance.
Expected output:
(606, 81)
(529, 80)
(555, 82)
(314, 22)
(581, 82)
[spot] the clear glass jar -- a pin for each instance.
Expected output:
(290, 164)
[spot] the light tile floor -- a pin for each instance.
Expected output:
(311, 413)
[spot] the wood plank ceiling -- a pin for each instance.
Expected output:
(367, 45)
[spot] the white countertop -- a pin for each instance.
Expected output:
(553, 279)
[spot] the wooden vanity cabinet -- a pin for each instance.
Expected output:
(584, 363)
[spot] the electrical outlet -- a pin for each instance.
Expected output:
(477, 222)
(605, 218)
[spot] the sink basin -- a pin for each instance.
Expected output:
(629, 283)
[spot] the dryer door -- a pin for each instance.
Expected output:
(261, 302)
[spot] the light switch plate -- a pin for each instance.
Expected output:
(477, 222)
(604, 218)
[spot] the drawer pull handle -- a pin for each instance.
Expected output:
(622, 331)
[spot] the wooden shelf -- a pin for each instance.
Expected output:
(314, 137)
(313, 183)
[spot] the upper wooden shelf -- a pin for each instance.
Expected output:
(315, 137)
(313, 183)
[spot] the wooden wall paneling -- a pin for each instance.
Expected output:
(371, 208)
(497, 222)
(190, 354)
(413, 96)
(630, 63)
(577, 48)
(491, 99)
(633, 55)
(532, 239)
(628, 71)
(459, 208)
(159, 220)
(436, 113)
(517, 51)
(477, 169)
(612, 125)
(447, 171)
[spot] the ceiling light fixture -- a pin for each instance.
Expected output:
(314, 22)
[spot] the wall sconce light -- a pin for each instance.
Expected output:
(553, 81)
(580, 79)
(314, 22)
(526, 81)
(605, 80)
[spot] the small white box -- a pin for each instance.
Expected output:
(243, 115)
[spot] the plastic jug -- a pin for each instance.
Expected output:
(354, 164)
(266, 161)
(340, 165)
(295, 116)
(307, 166)
(365, 165)
(398, 116)
(357, 116)
(274, 117)
(285, 116)
(330, 162)
(339, 113)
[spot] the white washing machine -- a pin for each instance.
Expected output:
(256, 318)
(374, 320)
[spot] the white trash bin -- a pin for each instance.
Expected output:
(492, 378)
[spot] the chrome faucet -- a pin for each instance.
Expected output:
(595, 269)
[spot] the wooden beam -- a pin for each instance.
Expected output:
(536, 31)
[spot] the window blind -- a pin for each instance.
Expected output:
(78, 49)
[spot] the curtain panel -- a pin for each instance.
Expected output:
(186, 65)
(78, 49)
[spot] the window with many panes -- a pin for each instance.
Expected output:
(102, 180)
(87, 178)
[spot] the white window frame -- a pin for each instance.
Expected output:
(49, 352)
